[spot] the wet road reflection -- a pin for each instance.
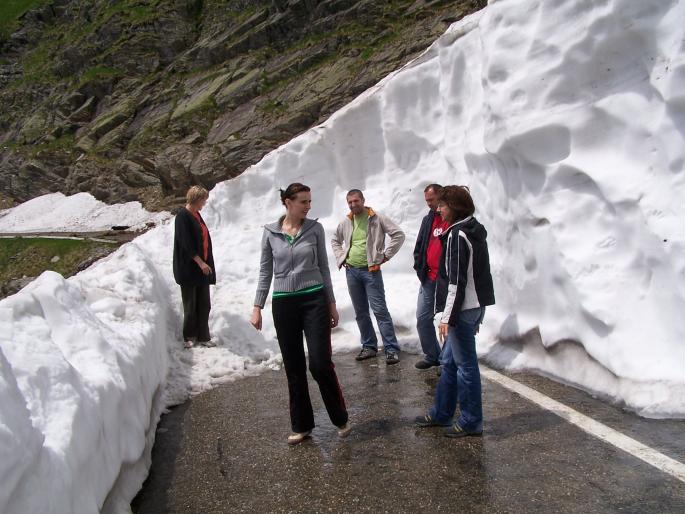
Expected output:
(528, 460)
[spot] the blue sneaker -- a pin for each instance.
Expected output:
(456, 431)
(366, 353)
(426, 421)
(423, 364)
(392, 358)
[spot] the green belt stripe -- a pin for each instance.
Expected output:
(306, 290)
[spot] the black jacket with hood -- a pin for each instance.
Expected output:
(464, 279)
(422, 240)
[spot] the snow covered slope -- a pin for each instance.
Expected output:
(80, 213)
(566, 119)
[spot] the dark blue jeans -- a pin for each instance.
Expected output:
(460, 378)
(425, 311)
(366, 289)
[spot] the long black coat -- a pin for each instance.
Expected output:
(188, 244)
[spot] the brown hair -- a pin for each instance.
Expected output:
(355, 192)
(458, 199)
(291, 191)
(196, 193)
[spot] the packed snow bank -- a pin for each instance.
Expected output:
(578, 170)
(86, 360)
(83, 378)
(566, 119)
(77, 213)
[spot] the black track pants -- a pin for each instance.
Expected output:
(308, 313)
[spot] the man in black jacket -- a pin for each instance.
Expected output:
(426, 263)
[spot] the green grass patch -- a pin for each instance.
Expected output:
(63, 144)
(201, 118)
(99, 72)
(274, 106)
(31, 256)
(235, 13)
(37, 65)
(379, 44)
(133, 11)
(151, 135)
(11, 10)
(367, 53)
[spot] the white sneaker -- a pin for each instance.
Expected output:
(345, 430)
(298, 437)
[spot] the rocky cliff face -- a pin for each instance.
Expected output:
(138, 99)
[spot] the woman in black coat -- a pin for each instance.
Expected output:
(194, 267)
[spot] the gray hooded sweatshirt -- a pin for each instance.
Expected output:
(294, 266)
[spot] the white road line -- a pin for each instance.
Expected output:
(589, 425)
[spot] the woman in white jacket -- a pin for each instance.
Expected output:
(463, 290)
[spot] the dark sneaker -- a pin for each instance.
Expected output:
(426, 421)
(392, 358)
(424, 364)
(366, 353)
(456, 431)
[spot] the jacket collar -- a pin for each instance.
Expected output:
(369, 211)
(448, 229)
(275, 227)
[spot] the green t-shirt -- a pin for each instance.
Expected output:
(357, 254)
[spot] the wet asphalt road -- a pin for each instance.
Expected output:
(225, 451)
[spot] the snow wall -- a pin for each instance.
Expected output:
(567, 121)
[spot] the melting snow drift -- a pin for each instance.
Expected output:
(77, 213)
(566, 119)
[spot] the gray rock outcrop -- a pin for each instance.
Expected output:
(141, 102)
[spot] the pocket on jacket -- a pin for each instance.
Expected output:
(305, 256)
(281, 260)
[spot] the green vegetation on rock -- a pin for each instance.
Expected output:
(38, 64)
(11, 10)
(29, 257)
(63, 143)
(99, 72)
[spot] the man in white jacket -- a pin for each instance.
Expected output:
(359, 245)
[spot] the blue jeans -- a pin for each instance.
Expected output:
(460, 378)
(366, 288)
(425, 311)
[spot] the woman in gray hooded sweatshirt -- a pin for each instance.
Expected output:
(294, 254)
